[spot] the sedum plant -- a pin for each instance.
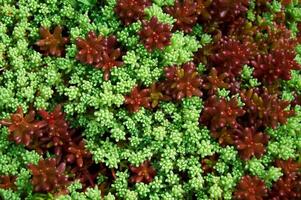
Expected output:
(150, 99)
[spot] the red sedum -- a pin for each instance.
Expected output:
(186, 13)
(250, 143)
(265, 109)
(47, 176)
(154, 34)
(57, 133)
(130, 11)
(77, 153)
(52, 44)
(144, 173)
(138, 98)
(219, 113)
(213, 81)
(182, 82)
(7, 182)
(231, 54)
(22, 128)
(250, 188)
(101, 52)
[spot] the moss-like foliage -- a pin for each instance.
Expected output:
(150, 99)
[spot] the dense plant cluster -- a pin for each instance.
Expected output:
(150, 99)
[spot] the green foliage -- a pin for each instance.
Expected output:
(286, 141)
(181, 49)
(169, 135)
(164, 2)
(258, 167)
(248, 80)
(157, 11)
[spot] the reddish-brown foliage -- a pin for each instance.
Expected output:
(250, 188)
(213, 81)
(156, 94)
(208, 163)
(286, 2)
(219, 113)
(110, 176)
(297, 100)
(89, 49)
(286, 188)
(186, 13)
(230, 55)
(130, 11)
(234, 84)
(240, 28)
(57, 132)
(22, 127)
(155, 34)
(87, 174)
(52, 135)
(182, 82)
(224, 136)
(276, 53)
(138, 98)
(221, 117)
(101, 52)
(76, 153)
(144, 173)
(280, 17)
(52, 44)
(250, 143)
(265, 109)
(299, 33)
(289, 167)
(274, 66)
(279, 37)
(110, 57)
(203, 54)
(227, 10)
(7, 182)
(48, 176)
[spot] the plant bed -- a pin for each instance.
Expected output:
(150, 99)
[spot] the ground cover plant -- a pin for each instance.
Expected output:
(150, 99)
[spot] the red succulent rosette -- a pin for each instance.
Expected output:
(154, 34)
(219, 113)
(182, 82)
(23, 128)
(186, 13)
(227, 10)
(130, 11)
(138, 98)
(47, 176)
(214, 81)
(57, 133)
(89, 49)
(250, 143)
(77, 153)
(231, 55)
(274, 66)
(101, 52)
(7, 182)
(52, 44)
(111, 56)
(250, 187)
(290, 168)
(265, 109)
(286, 188)
(144, 173)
